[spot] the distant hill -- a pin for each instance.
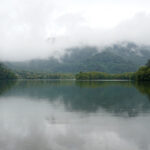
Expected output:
(6, 73)
(118, 58)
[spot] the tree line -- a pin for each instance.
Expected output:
(5, 73)
(102, 75)
(35, 75)
(143, 74)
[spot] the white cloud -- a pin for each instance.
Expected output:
(36, 28)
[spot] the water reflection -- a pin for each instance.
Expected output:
(120, 98)
(28, 124)
(144, 88)
(69, 115)
(6, 85)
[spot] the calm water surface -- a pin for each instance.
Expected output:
(73, 115)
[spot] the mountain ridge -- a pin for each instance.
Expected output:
(117, 58)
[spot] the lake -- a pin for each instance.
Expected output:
(74, 115)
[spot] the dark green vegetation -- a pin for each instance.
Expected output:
(5, 73)
(102, 75)
(143, 74)
(33, 75)
(118, 58)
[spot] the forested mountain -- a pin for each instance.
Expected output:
(118, 58)
(6, 73)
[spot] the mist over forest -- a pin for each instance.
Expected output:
(116, 58)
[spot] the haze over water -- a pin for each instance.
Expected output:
(74, 115)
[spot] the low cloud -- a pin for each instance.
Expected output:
(39, 29)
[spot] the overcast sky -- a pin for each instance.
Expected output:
(41, 28)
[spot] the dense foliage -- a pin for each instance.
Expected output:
(143, 74)
(102, 75)
(6, 73)
(33, 75)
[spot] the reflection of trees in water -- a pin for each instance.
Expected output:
(6, 85)
(45, 82)
(144, 88)
(116, 97)
(95, 84)
(121, 96)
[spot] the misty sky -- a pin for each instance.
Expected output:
(41, 28)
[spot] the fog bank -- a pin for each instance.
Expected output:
(39, 29)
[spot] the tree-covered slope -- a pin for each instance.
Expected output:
(6, 73)
(117, 58)
(110, 63)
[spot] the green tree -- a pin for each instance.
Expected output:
(5, 73)
(148, 63)
(143, 74)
